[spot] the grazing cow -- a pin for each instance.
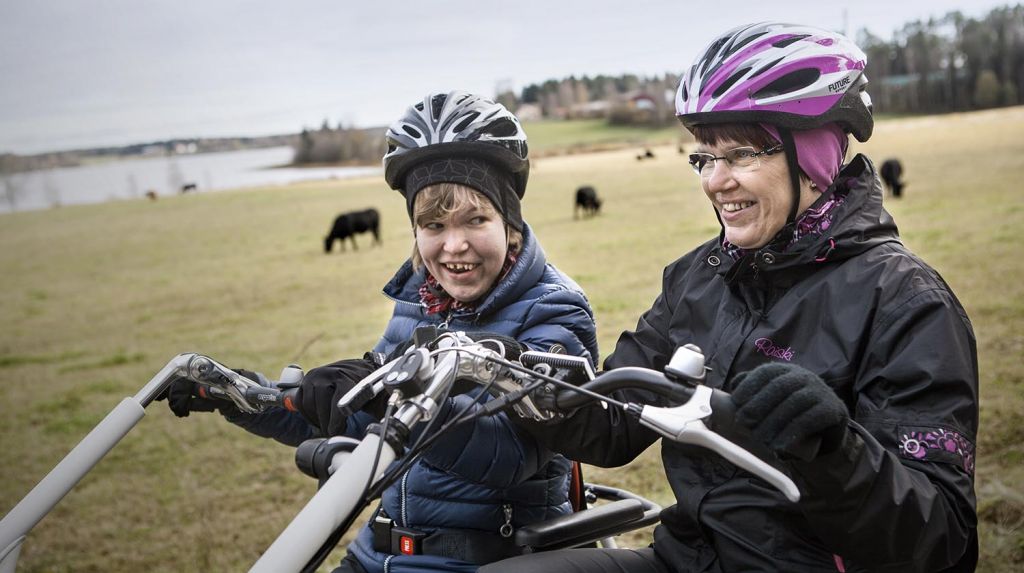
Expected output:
(647, 154)
(347, 225)
(151, 195)
(586, 199)
(188, 187)
(892, 173)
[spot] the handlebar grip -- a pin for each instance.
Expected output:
(272, 397)
(255, 395)
(288, 399)
(723, 418)
(626, 377)
(723, 421)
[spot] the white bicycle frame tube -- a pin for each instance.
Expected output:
(326, 510)
(62, 478)
(346, 487)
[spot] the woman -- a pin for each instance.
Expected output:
(846, 355)
(460, 161)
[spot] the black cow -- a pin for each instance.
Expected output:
(188, 187)
(347, 225)
(647, 154)
(892, 173)
(586, 199)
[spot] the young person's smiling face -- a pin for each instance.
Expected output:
(464, 250)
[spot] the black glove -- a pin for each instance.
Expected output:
(183, 397)
(790, 409)
(322, 387)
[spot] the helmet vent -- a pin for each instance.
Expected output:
(412, 131)
(765, 68)
(470, 118)
(791, 82)
(733, 49)
(710, 56)
(729, 82)
(788, 41)
(419, 106)
(503, 127)
(436, 103)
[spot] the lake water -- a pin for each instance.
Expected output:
(132, 178)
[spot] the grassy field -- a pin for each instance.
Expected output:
(96, 299)
(579, 135)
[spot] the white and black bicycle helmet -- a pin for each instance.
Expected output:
(456, 124)
(791, 76)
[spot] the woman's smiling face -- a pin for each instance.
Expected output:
(753, 205)
(464, 250)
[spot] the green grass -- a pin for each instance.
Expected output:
(554, 137)
(97, 298)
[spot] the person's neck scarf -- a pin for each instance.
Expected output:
(437, 300)
(814, 221)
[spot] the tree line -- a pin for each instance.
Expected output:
(951, 63)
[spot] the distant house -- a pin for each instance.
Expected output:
(185, 148)
(529, 112)
(643, 101)
(590, 109)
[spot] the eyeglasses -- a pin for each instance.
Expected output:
(740, 160)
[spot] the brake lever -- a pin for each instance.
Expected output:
(206, 370)
(685, 424)
(365, 390)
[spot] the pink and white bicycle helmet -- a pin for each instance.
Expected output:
(795, 77)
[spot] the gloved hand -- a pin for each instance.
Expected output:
(790, 409)
(322, 387)
(183, 397)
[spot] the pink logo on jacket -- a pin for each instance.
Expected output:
(772, 350)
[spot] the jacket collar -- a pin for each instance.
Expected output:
(858, 224)
(528, 269)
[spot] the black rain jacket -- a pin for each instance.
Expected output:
(883, 329)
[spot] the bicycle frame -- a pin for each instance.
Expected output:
(344, 492)
(62, 478)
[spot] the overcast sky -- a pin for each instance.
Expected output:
(84, 73)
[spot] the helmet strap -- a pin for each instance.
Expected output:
(794, 169)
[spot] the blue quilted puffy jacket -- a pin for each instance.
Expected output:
(488, 472)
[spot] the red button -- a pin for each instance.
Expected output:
(406, 545)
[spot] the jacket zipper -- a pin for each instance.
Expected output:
(400, 301)
(507, 530)
(447, 320)
(444, 324)
(405, 480)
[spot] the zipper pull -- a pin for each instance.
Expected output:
(444, 324)
(507, 530)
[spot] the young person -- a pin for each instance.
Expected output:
(461, 163)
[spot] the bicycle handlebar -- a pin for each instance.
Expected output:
(214, 380)
(704, 416)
